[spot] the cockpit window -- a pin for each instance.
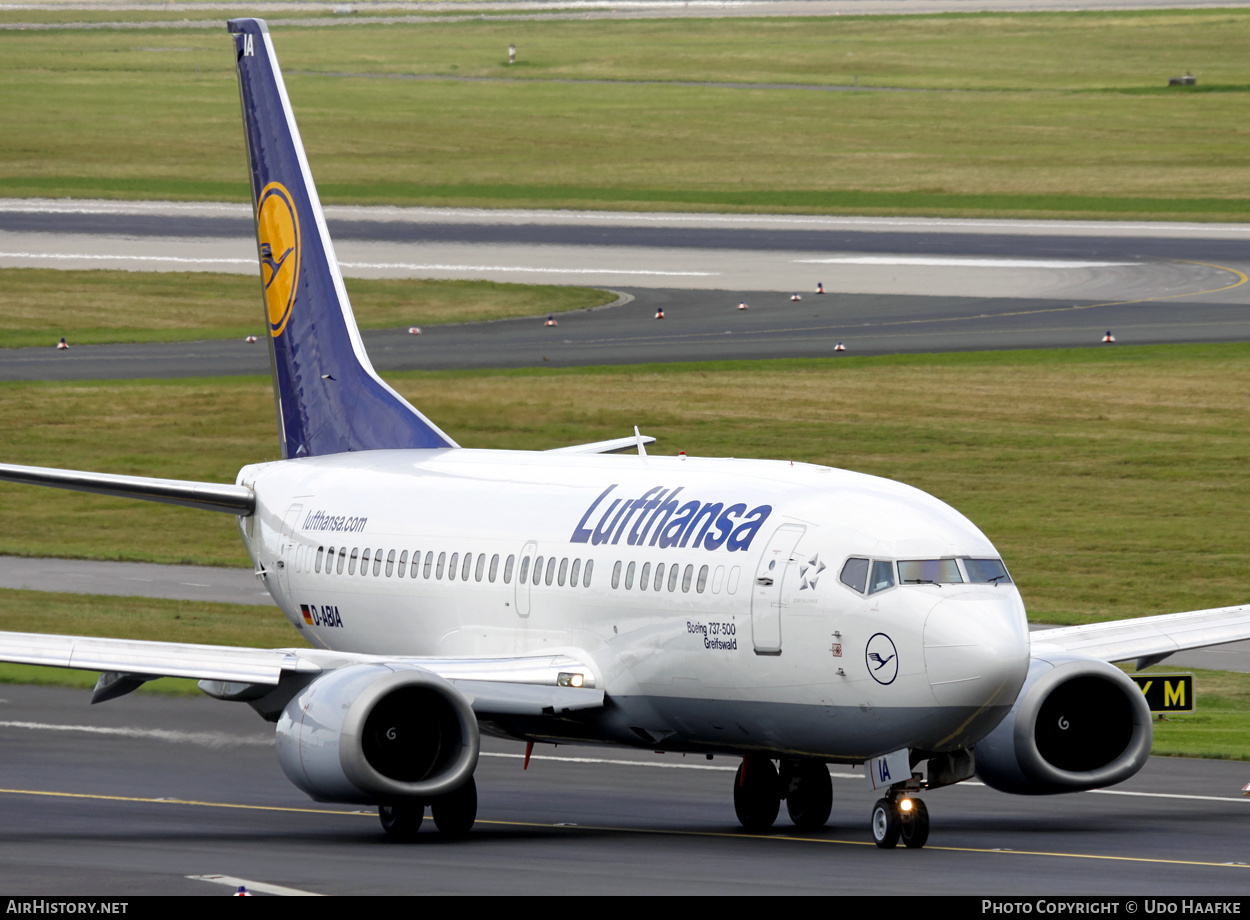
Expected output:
(929, 572)
(855, 574)
(882, 576)
(986, 570)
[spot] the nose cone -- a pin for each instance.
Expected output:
(976, 651)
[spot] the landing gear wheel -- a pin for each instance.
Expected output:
(455, 812)
(886, 824)
(401, 822)
(810, 798)
(757, 794)
(915, 829)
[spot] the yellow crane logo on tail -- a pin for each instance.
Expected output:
(277, 231)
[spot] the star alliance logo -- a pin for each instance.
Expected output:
(809, 571)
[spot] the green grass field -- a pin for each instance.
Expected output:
(90, 307)
(1040, 115)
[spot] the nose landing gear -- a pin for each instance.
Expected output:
(900, 816)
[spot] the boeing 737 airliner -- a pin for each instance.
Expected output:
(786, 614)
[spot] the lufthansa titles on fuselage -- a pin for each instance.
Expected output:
(319, 520)
(665, 518)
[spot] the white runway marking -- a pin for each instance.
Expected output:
(67, 256)
(406, 266)
(518, 268)
(207, 739)
(260, 887)
(958, 262)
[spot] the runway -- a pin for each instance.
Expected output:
(208, 797)
(892, 285)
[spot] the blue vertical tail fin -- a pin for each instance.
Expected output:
(329, 398)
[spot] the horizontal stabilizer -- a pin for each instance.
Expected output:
(207, 496)
(1148, 637)
(603, 447)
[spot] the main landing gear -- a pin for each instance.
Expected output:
(759, 789)
(453, 813)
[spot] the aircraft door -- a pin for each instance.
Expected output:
(286, 560)
(767, 597)
(523, 577)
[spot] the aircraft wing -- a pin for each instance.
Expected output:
(1149, 639)
(534, 685)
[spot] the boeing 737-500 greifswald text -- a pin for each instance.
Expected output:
(790, 615)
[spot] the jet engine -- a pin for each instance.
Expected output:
(374, 733)
(1077, 724)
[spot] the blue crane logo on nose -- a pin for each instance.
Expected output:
(882, 659)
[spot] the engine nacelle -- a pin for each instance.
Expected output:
(1077, 724)
(372, 734)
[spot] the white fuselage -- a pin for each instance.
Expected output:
(746, 639)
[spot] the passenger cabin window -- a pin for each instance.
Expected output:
(468, 564)
(403, 565)
(351, 563)
(429, 561)
(507, 570)
(644, 578)
(551, 569)
(494, 568)
(574, 572)
(702, 582)
(629, 575)
(377, 562)
(586, 573)
(616, 575)
(321, 553)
